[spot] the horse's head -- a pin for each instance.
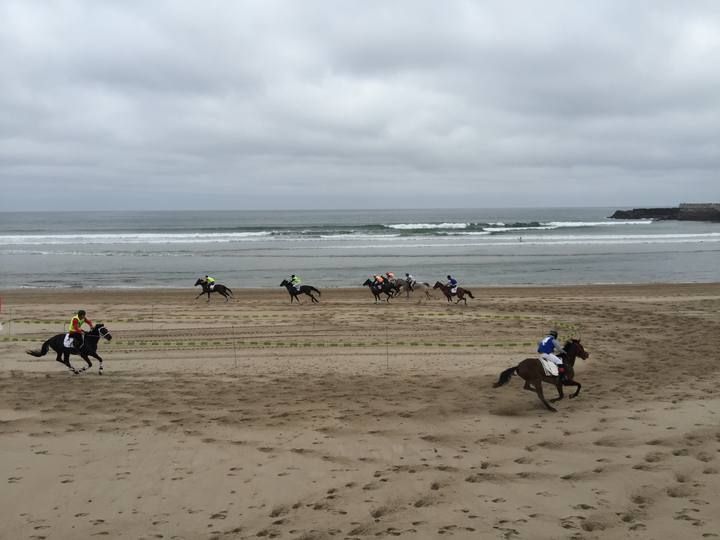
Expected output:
(573, 347)
(367, 282)
(437, 285)
(199, 282)
(102, 331)
(284, 283)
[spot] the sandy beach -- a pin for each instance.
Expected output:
(346, 419)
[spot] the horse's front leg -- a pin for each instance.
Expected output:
(559, 386)
(85, 357)
(100, 360)
(573, 383)
(539, 390)
(199, 295)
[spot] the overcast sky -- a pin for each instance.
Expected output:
(365, 104)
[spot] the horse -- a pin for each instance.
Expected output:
(220, 289)
(449, 294)
(385, 289)
(304, 289)
(532, 371)
(87, 349)
(417, 286)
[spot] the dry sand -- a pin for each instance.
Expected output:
(346, 419)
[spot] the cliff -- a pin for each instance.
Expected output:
(684, 212)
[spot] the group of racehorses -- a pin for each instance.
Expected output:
(530, 369)
(390, 288)
(393, 288)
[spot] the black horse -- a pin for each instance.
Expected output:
(86, 350)
(304, 289)
(532, 371)
(222, 290)
(384, 288)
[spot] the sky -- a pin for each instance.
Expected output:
(373, 104)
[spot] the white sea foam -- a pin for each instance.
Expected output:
(130, 238)
(424, 226)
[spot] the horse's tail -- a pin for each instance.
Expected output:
(228, 289)
(505, 377)
(42, 352)
(469, 294)
(315, 290)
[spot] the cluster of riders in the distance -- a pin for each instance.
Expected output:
(379, 284)
(554, 364)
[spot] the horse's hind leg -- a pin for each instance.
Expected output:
(528, 386)
(66, 360)
(539, 390)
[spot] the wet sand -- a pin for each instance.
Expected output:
(257, 418)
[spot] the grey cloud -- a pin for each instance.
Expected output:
(326, 103)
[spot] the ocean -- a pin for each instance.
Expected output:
(528, 246)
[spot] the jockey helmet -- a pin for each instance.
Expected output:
(449, 277)
(553, 333)
(292, 276)
(81, 312)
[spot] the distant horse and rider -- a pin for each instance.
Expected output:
(534, 374)
(377, 289)
(416, 286)
(449, 292)
(212, 287)
(294, 291)
(86, 348)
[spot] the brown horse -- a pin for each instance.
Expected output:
(447, 291)
(532, 371)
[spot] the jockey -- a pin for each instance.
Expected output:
(549, 348)
(75, 331)
(452, 284)
(295, 282)
(410, 281)
(210, 282)
(378, 281)
(390, 276)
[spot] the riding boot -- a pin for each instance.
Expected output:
(77, 341)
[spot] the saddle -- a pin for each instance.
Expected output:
(551, 368)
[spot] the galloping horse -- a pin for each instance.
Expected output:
(220, 289)
(304, 289)
(87, 349)
(419, 286)
(532, 371)
(449, 294)
(385, 289)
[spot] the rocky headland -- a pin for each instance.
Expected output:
(684, 212)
